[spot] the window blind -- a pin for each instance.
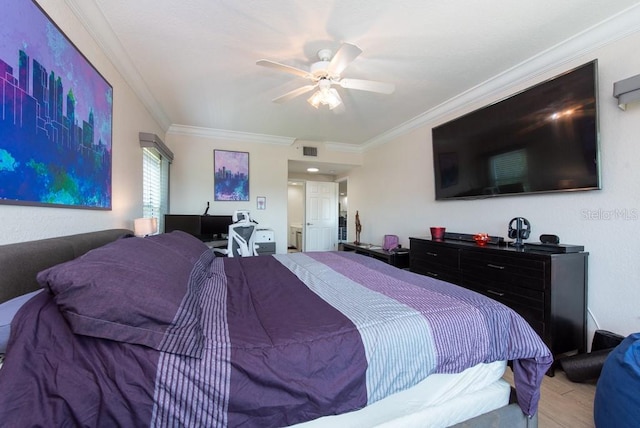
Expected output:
(156, 160)
(155, 192)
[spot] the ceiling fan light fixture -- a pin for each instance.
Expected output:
(326, 96)
(315, 99)
(327, 72)
(332, 98)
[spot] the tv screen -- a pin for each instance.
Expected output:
(184, 222)
(215, 226)
(543, 139)
(206, 228)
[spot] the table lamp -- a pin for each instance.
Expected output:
(145, 226)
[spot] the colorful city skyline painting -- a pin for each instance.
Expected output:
(231, 175)
(56, 113)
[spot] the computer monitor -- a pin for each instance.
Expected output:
(215, 227)
(186, 223)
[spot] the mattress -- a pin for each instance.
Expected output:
(441, 400)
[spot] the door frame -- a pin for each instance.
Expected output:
(334, 226)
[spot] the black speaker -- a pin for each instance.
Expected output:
(519, 229)
(549, 239)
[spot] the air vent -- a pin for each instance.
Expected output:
(310, 151)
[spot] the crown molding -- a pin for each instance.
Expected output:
(221, 134)
(615, 28)
(342, 147)
(606, 32)
(92, 19)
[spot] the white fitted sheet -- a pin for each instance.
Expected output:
(440, 400)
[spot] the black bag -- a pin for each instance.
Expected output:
(603, 339)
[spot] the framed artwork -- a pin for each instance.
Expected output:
(56, 124)
(261, 202)
(230, 175)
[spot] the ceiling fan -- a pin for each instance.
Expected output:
(324, 74)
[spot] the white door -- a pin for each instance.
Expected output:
(321, 216)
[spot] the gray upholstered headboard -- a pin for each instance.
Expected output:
(21, 262)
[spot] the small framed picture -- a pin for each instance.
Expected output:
(261, 202)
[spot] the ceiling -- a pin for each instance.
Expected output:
(193, 62)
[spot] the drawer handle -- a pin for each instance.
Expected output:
(496, 293)
(433, 274)
(495, 266)
(432, 254)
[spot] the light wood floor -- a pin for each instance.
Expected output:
(564, 404)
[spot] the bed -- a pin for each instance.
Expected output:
(115, 330)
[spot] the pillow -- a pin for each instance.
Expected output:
(181, 242)
(134, 290)
(8, 310)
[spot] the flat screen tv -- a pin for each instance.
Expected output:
(203, 227)
(184, 222)
(215, 226)
(543, 139)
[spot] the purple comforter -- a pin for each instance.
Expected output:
(287, 338)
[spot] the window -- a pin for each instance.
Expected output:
(510, 168)
(156, 159)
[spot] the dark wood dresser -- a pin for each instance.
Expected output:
(547, 289)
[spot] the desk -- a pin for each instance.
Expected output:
(222, 243)
(399, 259)
(265, 239)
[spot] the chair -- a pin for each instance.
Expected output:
(242, 235)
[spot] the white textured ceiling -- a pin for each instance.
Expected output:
(194, 61)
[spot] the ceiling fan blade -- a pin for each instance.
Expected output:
(343, 58)
(368, 85)
(292, 94)
(282, 67)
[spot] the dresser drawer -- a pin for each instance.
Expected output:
(508, 294)
(434, 254)
(526, 302)
(435, 260)
(437, 271)
(504, 271)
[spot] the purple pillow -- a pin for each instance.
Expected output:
(134, 290)
(182, 243)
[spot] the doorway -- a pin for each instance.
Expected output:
(296, 212)
(343, 210)
(295, 215)
(320, 231)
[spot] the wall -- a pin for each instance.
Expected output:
(22, 223)
(606, 222)
(191, 183)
